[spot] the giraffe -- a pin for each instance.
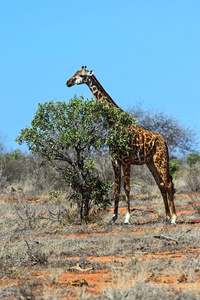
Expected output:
(147, 147)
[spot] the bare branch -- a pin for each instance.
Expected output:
(166, 238)
(78, 268)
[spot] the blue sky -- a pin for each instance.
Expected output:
(140, 50)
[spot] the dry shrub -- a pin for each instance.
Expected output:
(27, 173)
(30, 290)
(142, 181)
(25, 214)
(193, 180)
(24, 291)
(63, 216)
(34, 254)
(139, 290)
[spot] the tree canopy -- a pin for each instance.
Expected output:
(68, 134)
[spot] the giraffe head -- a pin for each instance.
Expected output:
(79, 77)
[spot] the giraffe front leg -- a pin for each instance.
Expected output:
(117, 170)
(126, 170)
(163, 191)
(171, 200)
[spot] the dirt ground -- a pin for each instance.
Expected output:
(46, 258)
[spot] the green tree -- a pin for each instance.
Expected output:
(67, 135)
(193, 158)
(173, 167)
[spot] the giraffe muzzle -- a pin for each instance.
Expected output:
(69, 83)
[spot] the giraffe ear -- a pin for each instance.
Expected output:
(91, 73)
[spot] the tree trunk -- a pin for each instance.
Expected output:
(86, 208)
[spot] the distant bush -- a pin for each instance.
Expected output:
(12, 165)
(24, 172)
(193, 180)
(193, 158)
(173, 167)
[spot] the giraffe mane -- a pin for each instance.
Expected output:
(103, 90)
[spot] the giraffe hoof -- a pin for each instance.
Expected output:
(127, 219)
(173, 219)
(114, 218)
(127, 223)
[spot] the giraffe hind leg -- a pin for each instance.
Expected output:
(161, 185)
(171, 191)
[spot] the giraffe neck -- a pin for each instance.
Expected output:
(98, 91)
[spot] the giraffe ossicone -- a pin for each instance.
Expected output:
(147, 147)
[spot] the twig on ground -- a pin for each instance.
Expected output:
(78, 268)
(164, 237)
(144, 210)
(184, 233)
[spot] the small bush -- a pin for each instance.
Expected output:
(173, 167)
(192, 159)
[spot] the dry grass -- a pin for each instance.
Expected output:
(38, 247)
(139, 291)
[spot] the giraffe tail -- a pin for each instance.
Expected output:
(173, 188)
(170, 177)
